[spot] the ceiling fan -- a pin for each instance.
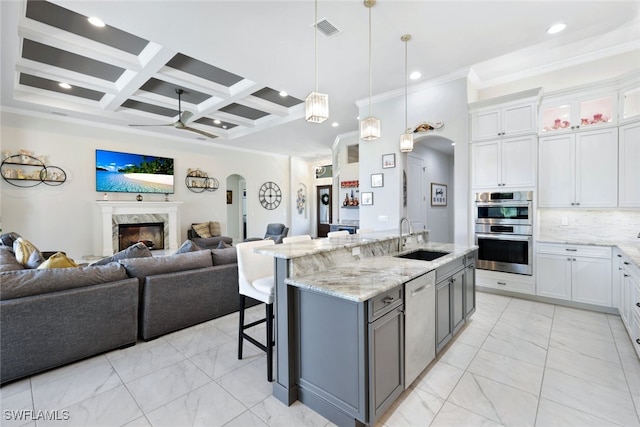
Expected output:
(183, 117)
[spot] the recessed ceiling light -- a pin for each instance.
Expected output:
(64, 85)
(283, 93)
(556, 28)
(216, 121)
(335, 124)
(453, 143)
(415, 75)
(224, 127)
(96, 21)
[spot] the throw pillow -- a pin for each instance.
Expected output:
(7, 239)
(202, 230)
(224, 245)
(26, 253)
(214, 228)
(137, 250)
(58, 260)
(224, 256)
(188, 246)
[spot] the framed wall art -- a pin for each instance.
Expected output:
(377, 180)
(366, 198)
(388, 160)
(438, 194)
(229, 197)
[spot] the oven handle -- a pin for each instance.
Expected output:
(516, 237)
(511, 203)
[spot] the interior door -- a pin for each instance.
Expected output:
(324, 204)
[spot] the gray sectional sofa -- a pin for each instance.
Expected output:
(52, 317)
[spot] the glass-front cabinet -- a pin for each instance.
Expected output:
(575, 113)
(630, 103)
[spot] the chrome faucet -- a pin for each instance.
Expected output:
(401, 241)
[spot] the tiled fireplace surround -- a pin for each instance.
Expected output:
(121, 212)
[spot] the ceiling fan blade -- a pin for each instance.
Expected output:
(185, 116)
(167, 124)
(201, 132)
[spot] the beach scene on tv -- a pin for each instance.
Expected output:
(133, 173)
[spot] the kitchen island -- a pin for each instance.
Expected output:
(340, 318)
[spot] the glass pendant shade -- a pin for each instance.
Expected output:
(406, 142)
(370, 129)
(317, 107)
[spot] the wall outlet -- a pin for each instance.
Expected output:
(355, 251)
(564, 220)
(383, 218)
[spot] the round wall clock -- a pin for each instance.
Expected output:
(270, 195)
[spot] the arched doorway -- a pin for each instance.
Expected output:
(236, 207)
(433, 167)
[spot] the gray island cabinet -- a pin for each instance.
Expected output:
(355, 325)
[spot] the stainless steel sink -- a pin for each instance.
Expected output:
(423, 255)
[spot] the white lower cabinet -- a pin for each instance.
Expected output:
(574, 272)
(518, 283)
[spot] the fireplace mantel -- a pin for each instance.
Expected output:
(109, 209)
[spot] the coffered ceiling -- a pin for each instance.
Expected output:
(233, 58)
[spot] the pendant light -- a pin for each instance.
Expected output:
(316, 104)
(406, 139)
(369, 127)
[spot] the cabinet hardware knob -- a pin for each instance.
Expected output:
(568, 259)
(626, 275)
(638, 340)
(638, 304)
(502, 283)
(388, 300)
(626, 263)
(571, 249)
(619, 256)
(574, 259)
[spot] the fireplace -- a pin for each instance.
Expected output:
(116, 213)
(151, 234)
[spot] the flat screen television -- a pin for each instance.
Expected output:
(133, 173)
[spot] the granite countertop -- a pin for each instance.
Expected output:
(316, 246)
(630, 249)
(362, 280)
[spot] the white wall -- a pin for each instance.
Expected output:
(444, 101)
(67, 218)
(302, 179)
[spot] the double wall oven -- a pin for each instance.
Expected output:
(504, 231)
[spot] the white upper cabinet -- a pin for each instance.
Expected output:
(506, 116)
(629, 140)
(506, 120)
(579, 170)
(507, 162)
(571, 113)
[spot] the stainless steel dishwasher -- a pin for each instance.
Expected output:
(420, 325)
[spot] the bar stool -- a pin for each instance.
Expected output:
(298, 238)
(255, 280)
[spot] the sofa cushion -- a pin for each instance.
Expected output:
(143, 267)
(7, 239)
(58, 260)
(26, 253)
(223, 245)
(188, 246)
(137, 250)
(22, 283)
(202, 230)
(214, 228)
(211, 242)
(8, 261)
(224, 256)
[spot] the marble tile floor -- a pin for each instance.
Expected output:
(516, 363)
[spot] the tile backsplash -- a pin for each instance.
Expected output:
(589, 225)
